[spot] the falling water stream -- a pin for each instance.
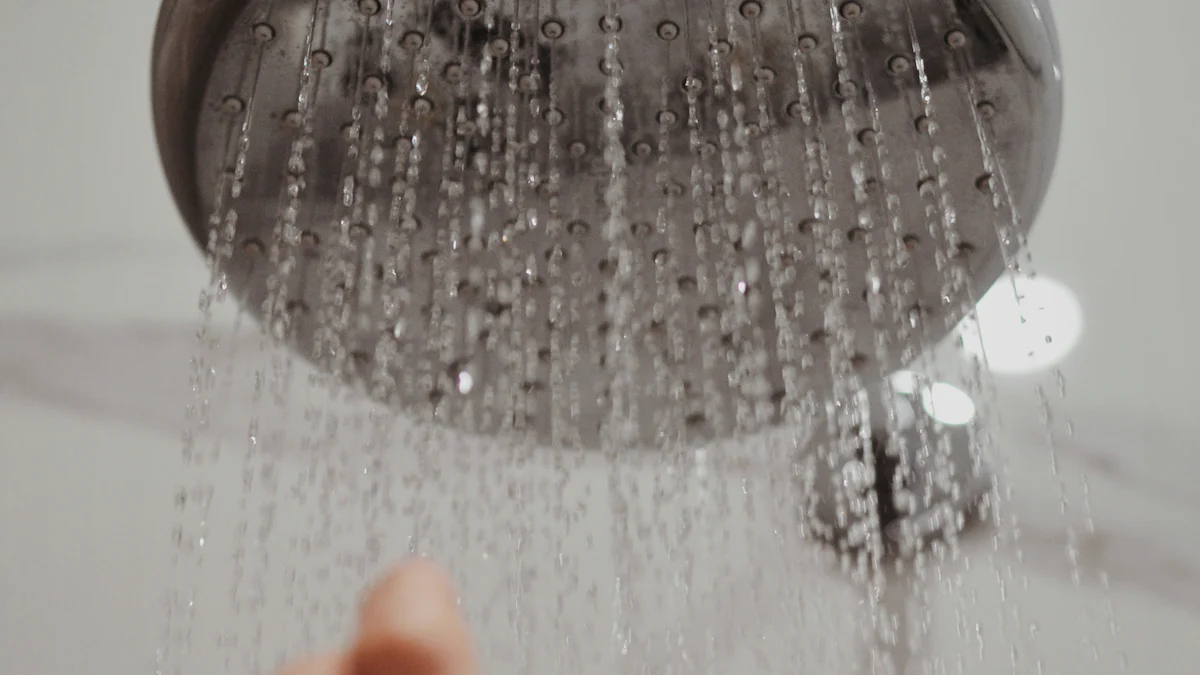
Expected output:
(686, 557)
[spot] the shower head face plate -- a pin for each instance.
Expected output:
(505, 219)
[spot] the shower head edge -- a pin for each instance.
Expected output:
(185, 31)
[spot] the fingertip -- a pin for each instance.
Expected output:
(411, 576)
(410, 624)
(332, 663)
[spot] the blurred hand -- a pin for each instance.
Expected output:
(409, 625)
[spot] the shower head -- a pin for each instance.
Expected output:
(584, 220)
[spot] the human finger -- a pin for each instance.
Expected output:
(410, 624)
(333, 663)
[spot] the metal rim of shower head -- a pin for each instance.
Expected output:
(1016, 65)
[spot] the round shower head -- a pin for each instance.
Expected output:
(626, 220)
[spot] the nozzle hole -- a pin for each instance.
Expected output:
(751, 9)
(553, 29)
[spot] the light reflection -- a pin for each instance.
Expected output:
(1026, 330)
(948, 404)
(943, 402)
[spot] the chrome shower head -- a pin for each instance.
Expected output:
(570, 218)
